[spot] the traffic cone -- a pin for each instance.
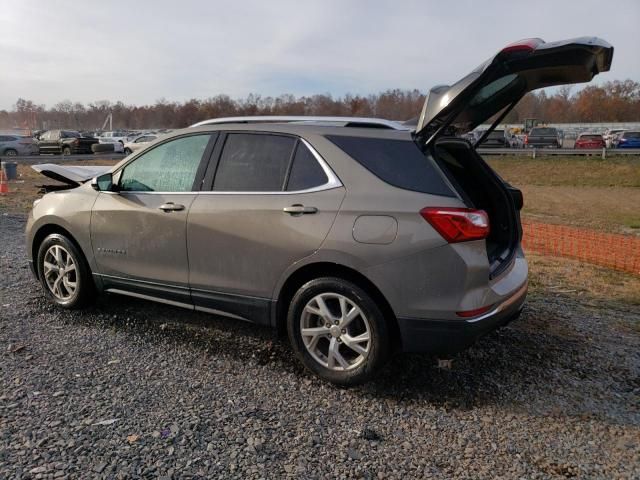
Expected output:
(4, 185)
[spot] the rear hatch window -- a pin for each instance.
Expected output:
(397, 162)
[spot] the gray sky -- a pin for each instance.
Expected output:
(141, 51)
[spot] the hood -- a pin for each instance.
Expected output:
(71, 174)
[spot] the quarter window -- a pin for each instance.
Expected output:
(253, 163)
(170, 167)
(306, 172)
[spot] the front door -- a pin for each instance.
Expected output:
(138, 232)
(50, 142)
(272, 203)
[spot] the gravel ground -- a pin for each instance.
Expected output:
(129, 389)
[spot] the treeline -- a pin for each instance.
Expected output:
(617, 101)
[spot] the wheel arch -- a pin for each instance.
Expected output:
(43, 232)
(328, 269)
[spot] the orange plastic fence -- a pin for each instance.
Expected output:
(619, 252)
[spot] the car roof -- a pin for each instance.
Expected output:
(301, 129)
(351, 122)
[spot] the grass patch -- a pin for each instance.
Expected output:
(569, 171)
(568, 276)
(579, 191)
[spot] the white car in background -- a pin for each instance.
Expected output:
(610, 135)
(139, 143)
(118, 139)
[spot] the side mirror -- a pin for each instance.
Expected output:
(104, 183)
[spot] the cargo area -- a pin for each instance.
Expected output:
(481, 188)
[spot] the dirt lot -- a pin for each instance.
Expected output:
(129, 389)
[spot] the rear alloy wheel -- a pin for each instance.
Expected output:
(11, 152)
(66, 151)
(127, 151)
(338, 331)
(63, 272)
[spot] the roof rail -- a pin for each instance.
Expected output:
(362, 122)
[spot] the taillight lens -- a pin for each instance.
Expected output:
(526, 45)
(457, 224)
(526, 139)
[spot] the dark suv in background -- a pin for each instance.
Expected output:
(543, 137)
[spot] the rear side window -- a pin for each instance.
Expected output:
(306, 172)
(632, 135)
(253, 163)
(398, 162)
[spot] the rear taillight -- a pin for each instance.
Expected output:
(526, 139)
(457, 224)
(76, 141)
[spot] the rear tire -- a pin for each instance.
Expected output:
(66, 151)
(127, 151)
(347, 337)
(64, 273)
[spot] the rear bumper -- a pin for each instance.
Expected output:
(447, 337)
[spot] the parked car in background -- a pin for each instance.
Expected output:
(610, 136)
(114, 136)
(543, 137)
(65, 142)
(13, 145)
(138, 143)
(495, 139)
(589, 140)
(118, 146)
(628, 139)
(357, 239)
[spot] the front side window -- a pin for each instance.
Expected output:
(253, 163)
(170, 167)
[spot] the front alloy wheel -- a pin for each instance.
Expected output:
(60, 273)
(64, 273)
(338, 331)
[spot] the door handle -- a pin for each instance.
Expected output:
(298, 209)
(171, 207)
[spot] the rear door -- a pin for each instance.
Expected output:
(138, 233)
(269, 201)
(499, 83)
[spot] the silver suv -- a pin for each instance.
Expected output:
(357, 237)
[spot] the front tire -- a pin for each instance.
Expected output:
(338, 331)
(64, 273)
